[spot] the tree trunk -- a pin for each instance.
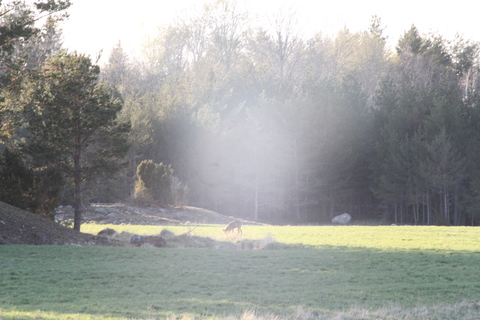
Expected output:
(395, 210)
(423, 210)
(77, 171)
(446, 206)
(256, 198)
(429, 212)
(297, 187)
(78, 210)
(456, 216)
(401, 212)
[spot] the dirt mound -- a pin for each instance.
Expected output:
(21, 227)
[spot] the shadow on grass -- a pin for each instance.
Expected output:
(321, 283)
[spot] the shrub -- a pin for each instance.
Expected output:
(154, 183)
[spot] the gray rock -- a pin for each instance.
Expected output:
(137, 240)
(148, 241)
(344, 218)
(107, 232)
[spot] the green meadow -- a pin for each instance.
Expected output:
(374, 237)
(309, 272)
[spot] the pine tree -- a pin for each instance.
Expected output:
(71, 120)
(23, 44)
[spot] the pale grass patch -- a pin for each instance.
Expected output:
(268, 240)
(459, 311)
(183, 317)
(251, 315)
(305, 314)
(252, 244)
(46, 315)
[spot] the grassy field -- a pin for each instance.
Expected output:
(427, 238)
(321, 273)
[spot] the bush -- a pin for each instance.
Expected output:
(154, 183)
(157, 184)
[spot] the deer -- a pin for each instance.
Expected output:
(236, 224)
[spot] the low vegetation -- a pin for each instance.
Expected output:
(351, 272)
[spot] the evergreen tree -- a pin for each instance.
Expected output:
(24, 43)
(71, 120)
(18, 24)
(411, 42)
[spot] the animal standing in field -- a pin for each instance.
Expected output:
(237, 224)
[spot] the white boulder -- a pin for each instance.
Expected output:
(344, 218)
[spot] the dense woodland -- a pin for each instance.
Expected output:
(262, 123)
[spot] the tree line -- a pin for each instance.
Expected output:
(262, 123)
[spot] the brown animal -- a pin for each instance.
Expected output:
(237, 224)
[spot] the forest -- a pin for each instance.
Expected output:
(256, 122)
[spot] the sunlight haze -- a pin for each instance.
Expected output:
(98, 25)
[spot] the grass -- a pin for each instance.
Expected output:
(429, 238)
(339, 273)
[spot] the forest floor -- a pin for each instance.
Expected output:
(21, 227)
